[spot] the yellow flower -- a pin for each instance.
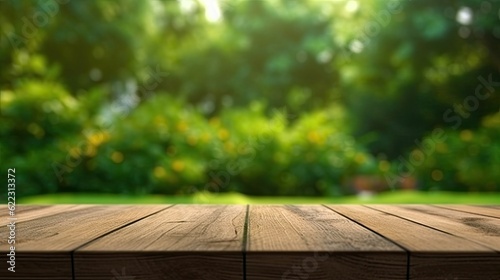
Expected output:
(182, 126)
(223, 134)
(159, 172)
(466, 135)
(6, 97)
(97, 139)
(312, 136)
(178, 165)
(360, 158)
(315, 138)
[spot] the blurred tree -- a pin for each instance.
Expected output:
(274, 51)
(398, 68)
(108, 43)
(91, 42)
(425, 58)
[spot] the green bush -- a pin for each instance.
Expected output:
(38, 117)
(159, 147)
(164, 146)
(280, 155)
(466, 161)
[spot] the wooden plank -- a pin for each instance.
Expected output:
(427, 247)
(34, 266)
(479, 229)
(44, 245)
(31, 212)
(283, 242)
(313, 242)
(491, 206)
(470, 266)
(20, 209)
(474, 209)
(183, 242)
(412, 236)
(69, 230)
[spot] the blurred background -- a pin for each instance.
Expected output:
(251, 101)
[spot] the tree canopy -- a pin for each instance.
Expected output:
(385, 73)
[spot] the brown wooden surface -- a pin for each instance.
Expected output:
(427, 246)
(321, 243)
(132, 242)
(474, 209)
(30, 212)
(479, 229)
(44, 245)
(185, 242)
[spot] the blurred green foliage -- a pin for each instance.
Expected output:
(272, 97)
(468, 160)
(166, 146)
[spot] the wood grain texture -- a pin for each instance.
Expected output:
(69, 230)
(31, 212)
(44, 244)
(476, 228)
(474, 209)
(153, 242)
(409, 235)
(299, 242)
(182, 242)
(434, 254)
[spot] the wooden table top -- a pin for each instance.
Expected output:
(135, 242)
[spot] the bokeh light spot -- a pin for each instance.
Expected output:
(352, 6)
(464, 16)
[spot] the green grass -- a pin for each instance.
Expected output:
(237, 198)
